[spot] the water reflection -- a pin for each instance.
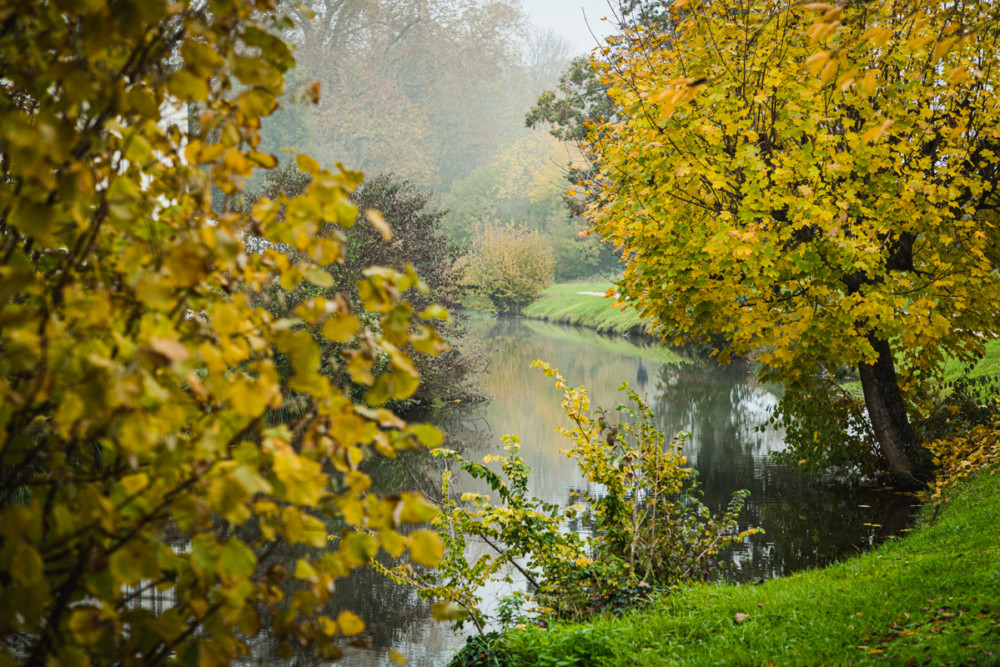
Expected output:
(806, 524)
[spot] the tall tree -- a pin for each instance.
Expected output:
(818, 183)
(424, 89)
(138, 450)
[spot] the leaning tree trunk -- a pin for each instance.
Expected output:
(906, 458)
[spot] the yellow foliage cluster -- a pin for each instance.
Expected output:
(815, 183)
(958, 457)
(142, 447)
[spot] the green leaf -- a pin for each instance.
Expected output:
(236, 560)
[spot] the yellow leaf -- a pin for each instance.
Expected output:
(340, 328)
(317, 276)
(959, 74)
(307, 164)
(392, 542)
(350, 624)
(378, 222)
(876, 132)
(169, 348)
(829, 70)
(397, 658)
(816, 61)
(413, 508)
(941, 48)
(426, 548)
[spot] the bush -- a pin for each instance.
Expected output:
(509, 267)
(649, 528)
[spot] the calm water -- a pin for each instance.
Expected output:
(806, 524)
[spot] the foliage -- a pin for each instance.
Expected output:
(405, 231)
(964, 454)
(429, 90)
(647, 512)
(648, 526)
(509, 267)
(837, 438)
(136, 451)
(482, 651)
(522, 186)
(816, 183)
(928, 598)
(579, 103)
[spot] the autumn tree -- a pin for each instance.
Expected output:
(138, 385)
(523, 187)
(819, 184)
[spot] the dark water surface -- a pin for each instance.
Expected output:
(806, 524)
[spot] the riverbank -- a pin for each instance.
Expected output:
(932, 597)
(584, 304)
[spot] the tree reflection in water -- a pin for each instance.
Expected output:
(807, 523)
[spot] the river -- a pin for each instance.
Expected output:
(806, 524)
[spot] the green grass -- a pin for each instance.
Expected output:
(563, 303)
(987, 367)
(932, 597)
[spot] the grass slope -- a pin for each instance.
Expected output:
(930, 598)
(563, 303)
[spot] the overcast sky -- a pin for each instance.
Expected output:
(566, 16)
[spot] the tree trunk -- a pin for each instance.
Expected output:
(908, 461)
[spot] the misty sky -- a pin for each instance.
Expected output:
(566, 17)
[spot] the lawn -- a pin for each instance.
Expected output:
(564, 303)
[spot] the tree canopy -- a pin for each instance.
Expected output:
(817, 183)
(139, 449)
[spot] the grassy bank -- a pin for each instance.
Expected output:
(564, 303)
(930, 598)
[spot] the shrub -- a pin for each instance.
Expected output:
(509, 267)
(649, 529)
